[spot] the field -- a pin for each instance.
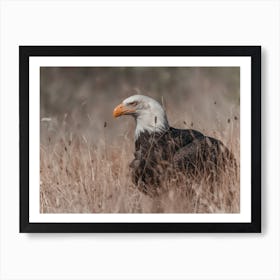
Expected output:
(85, 152)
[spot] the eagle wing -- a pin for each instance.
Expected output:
(200, 155)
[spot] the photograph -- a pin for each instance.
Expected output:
(139, 139)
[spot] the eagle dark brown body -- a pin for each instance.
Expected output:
(160, 157)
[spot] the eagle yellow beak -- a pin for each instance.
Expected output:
(121, 110)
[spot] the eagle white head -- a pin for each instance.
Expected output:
(148, 113)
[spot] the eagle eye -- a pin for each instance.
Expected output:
(134, 103)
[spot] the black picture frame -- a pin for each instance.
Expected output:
(254, 52)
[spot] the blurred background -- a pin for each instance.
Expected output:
(81, 99)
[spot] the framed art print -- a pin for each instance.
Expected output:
(140, 138)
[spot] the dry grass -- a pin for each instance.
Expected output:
(78, 176)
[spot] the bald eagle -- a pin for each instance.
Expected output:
(162, 152)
